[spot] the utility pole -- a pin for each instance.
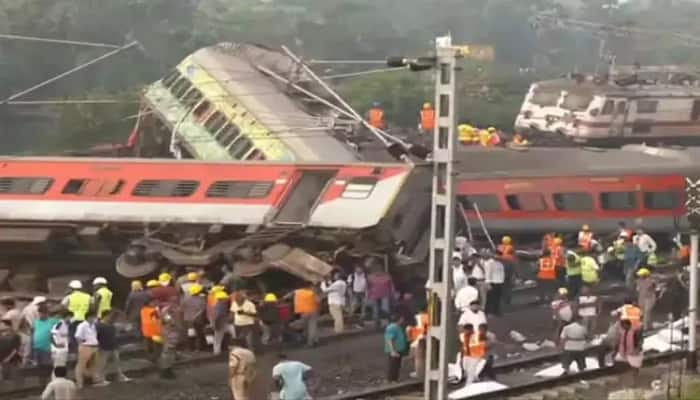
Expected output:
(692, 205)
(442, 223)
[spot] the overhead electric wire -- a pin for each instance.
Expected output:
(58, 41)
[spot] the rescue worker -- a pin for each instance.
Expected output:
(647, 246)
(417, 334)
(507, 256)
(646, 295)
(489, 137)
(520, 141)
(623, 230)
(194, 309)
(242, 370)
(629, 348)
(170, 334)
(376, 117)
(589, 269)
(474, 352)
(467, 134)
(427, 118)
(585, 238)
(559, 256)
(217, 313)
(548, 241)
(574, 279)
(102, 296)
(588, 309)
(136, 299)
(270, 320)
(165, 293)
(629, 312)
(546, 276)
(192, 279)
(151, 329)
(617, 251)
(562, 311)
(78, 303)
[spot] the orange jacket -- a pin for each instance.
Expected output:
(586, 240)
(427, 119)
(473, 345)
(419, 330)
(376, 118)
(305, 301)
(557, 252)
(507, 252)
(633, 314)
(547, 271)
(150, 322)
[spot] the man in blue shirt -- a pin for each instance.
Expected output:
(41, 340)
(395, 346)
(291, 377)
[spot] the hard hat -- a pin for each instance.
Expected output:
(491, 129)
(558, 240)
(220, 295)
(164, 278)
(136, 285)
(157, 339)
(507, 240)
(152, 283)
(99, 281)
(270, 298)
(192, 276)
(563, 291)
(376, 104)
(427, 105)
(75, 284)
(585, 227)
(643, 272)
(196, 289)
(217, 288)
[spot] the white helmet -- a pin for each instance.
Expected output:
(99, 281)
(75, 284)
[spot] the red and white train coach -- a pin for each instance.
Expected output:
(112, 202)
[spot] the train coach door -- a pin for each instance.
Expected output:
(303, 197)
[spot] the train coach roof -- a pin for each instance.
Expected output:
(497, 163)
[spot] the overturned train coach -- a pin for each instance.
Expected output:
(153, 213)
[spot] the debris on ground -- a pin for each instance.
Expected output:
(517, 336)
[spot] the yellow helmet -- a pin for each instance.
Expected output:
(585, 227)
(557, 240)
(192, 276)
(563, 291)
(643, 272)
(427, 105)
(165, 278)
(221, 295)
(196, 289)
(136, 285)
(507, 240)
(152, 283)
(492, 129)
(270, 298)
(217, 288)
(157, 339)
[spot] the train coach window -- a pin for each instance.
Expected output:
(93, 187)
(526, 202)
(580, 201)
(171, 78)
(228, 134)
(608, 107)
(647, 106)
(662, 200)
(240, 189)
(240, 148)
(618, 201)
(359, 188)
(25, 185)
(215, 122)
(485, 202)
(165, 188)
(192, 97)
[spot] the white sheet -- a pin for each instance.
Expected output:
(476, 389)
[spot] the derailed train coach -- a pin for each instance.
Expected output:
(152, 213)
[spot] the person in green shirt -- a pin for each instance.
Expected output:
(395, 346)
(41, 341)
(574, 280)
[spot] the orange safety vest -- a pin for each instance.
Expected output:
(150, 322)
(419, 331)
(507, 252)
(547, 270)
(558, 255)
(586, 240)
(494, 139)
(427, 119)
(633, 314)
(473, 346)
(376, 118)
(684, 253)
(305, 301)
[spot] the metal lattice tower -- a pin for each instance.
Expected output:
(442, 225)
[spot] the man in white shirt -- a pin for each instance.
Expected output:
(646, 245)
(86, 336)
(60, 337)
(459, 278)
(336, 300)
(467, 295)
(472, 315)
(245, 316)
(358, 282)
(60, 388)
(495, 278)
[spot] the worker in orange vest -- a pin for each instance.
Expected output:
(151, 329)
(417, 334)
(558, 255)
(475, 358)
(585, 238)
(427, 118)
(520, 141)
(629, 312)
(376, 117)
(548, 240)
(546, 276)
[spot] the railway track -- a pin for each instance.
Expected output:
(589, 384)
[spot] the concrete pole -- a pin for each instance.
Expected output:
(443, 323)
(692, 360)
